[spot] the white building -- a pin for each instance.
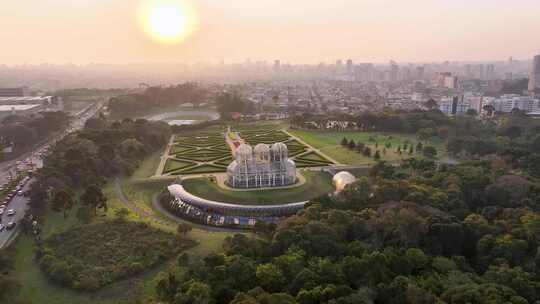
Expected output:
(507, 103)
(261, 167)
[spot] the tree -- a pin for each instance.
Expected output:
(429, 152)
(84, 214)
(377, 155)
(352, 144)
(183, 228)
(344, 142)
(228, 103)
(472, 112)
(270, 277)
(431, 104)
(367, 152)
(94, 198)
(62, 201)
(419, 147)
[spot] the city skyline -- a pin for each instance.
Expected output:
(80, 32)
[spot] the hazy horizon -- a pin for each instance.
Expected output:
(303, 32)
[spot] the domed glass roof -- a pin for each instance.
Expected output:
(262, 148)
(244, 149)
(342, 179)
(279, 148)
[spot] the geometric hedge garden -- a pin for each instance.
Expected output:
(202, 152)
(207, 152)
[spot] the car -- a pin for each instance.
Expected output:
(11, 212)
(2, 227)
(2, 211)
(11, 225)
(19, 193)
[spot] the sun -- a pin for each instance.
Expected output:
(167, 21)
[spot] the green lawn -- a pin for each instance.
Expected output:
(148, 166)
(317, 183)
(329, 143)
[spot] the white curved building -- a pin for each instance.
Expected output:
(261, 167)
(342, 179)
(181, 195)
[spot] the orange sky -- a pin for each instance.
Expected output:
(299, 31)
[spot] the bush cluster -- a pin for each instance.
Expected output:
(92, 256)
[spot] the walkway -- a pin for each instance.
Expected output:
(165, 157)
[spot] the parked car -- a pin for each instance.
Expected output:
(11, 225)
(2, 211)
(2, 227)
(11, 212)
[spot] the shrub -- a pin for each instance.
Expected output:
(92, 256)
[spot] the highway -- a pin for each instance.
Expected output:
(20, 203)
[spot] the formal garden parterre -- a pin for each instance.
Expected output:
(207, 152)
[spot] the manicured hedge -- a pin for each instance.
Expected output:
(202, 169)
(92, 256)
(175, 164)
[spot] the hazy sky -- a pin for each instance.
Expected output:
(299, 31)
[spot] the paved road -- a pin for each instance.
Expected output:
(20, 203)
(8, 168)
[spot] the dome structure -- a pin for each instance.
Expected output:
(262, 153)
(342, 179)
(279, 151)
(261, 167)
(243, 152)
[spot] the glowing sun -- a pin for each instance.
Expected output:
(167, 21)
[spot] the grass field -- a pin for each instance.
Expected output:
(317, 183)
(148, 166)
(329, 143)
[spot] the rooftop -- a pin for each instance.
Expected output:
(9, 108)
(24, 98)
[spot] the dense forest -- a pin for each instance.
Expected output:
(25, 131)
(417, 233)
(137, 104)
(101, 150)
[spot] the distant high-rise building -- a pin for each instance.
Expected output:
(277, 65)
(445, 80)
(490, 71)
(420, 72)
(349, 66)
(339, 64)
(469, 71)
(481, 72)
(534, 78)
(394, 71)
